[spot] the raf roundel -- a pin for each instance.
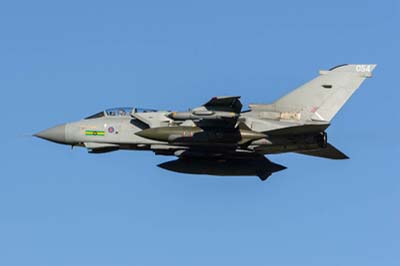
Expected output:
(111, 130)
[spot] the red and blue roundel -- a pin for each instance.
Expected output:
(111, 130)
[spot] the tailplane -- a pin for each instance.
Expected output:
(330, 152)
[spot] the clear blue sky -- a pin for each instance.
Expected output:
(63, 60)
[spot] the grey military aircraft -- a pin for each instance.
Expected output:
(218, 138)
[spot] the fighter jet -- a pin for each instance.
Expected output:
(218, 138)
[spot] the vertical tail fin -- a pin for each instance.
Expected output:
(321, 98)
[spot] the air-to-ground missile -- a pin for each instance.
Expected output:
(185, 134)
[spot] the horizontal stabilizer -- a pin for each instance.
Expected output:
(329, 152)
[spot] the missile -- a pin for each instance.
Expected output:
(185, 134)
(203, 115)
(169, 134)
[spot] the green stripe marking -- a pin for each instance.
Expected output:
(94, 133)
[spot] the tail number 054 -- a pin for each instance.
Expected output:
(363, 68)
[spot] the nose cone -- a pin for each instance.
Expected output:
(55, 134)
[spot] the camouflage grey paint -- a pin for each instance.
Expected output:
(217, 138)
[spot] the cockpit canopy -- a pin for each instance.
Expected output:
(120, 112)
